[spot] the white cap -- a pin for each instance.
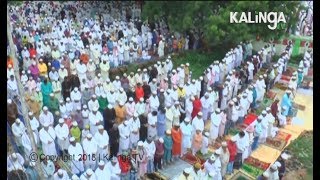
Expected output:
(74, 123)
(9, 101)
(30, 113)
(89, 172)
(51, 94)
(68, 99)
(61, 120)
(234, 138)
(18, 120)
(224, 144)
(264, 112)
(187, 170)
(45, 108)
(89, 135)
(32, 164)
(218, 151)
(212, 157)
(130, 99)
(154, 92)
(268, 109)
(265, 174)
(60, 171)
(278, 164)
(101, 163)
(168, 131)
(284, 156)
(274, 167)
(218, 110)
(288, 91)
(140, 143)
(72, 139)
(187, 119)
(206, 134)
(141, 99)
(95, 108)
(100, 127)
(200, 113)
(161, 140)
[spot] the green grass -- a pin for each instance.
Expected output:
(198, 61)
(302, 149)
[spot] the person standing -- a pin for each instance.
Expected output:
(216, 119)
(158, 154)
(186, 130)
(177, 140)
(232, 148)
(197, 141)
(168, 143)
(75, 149)
(224, 158)
(47, 137)
(150, 149)
(286, 101)
(142, 160)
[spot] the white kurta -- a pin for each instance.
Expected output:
(18, 131)
(102, 174)
(47, 139)
(90, 148)
(124, 142)
(62, 135)
(95, 121)
(215, 124)
(115, 171)
(76, 152)
(186, 134)
(103, 144)
(197, 124)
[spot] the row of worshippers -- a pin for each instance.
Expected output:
(45, 109)
(48, 115)
(116, 42)
(305, 23)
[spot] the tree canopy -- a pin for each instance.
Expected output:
(213, 18)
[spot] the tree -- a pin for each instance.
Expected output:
(213, 18)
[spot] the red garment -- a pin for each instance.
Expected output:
(175, 44)
(232, 147)
(124, 163)
(33, 52)
(176, 138)
(196, 107)
(139, 93)
(274, 109)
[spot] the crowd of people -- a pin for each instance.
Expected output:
(305, 24)
(153, 116)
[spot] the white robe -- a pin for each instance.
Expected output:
(95, 121)
(18, 131)
(124, 142)
(114, 171)
(62, 135)
(90, 148)
(76, 152)
(186, 135)
(215, 124)
(102, 174)
(102, 141)
(197, 124)
(45, 137)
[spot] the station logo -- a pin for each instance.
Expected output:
(275, 20)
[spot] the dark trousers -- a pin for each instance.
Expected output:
(157, 163)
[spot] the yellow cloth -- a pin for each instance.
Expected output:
(181, 92)
(43, 69)
(266, 154)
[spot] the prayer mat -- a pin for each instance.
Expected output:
(191, 159)
(206, 156)
(241, 176)
(281, 86)
(266, 154)
(271, 95)
(256, 163)
(299, 106)
(251, 170)
(250, 119)
(233, 131)
(155, 176)
(288, 72)
(285, 78)
(283, 135)
(276, 143)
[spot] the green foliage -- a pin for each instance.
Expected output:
(213, 18)
(302, 149)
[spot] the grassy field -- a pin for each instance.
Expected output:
(302, 151)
